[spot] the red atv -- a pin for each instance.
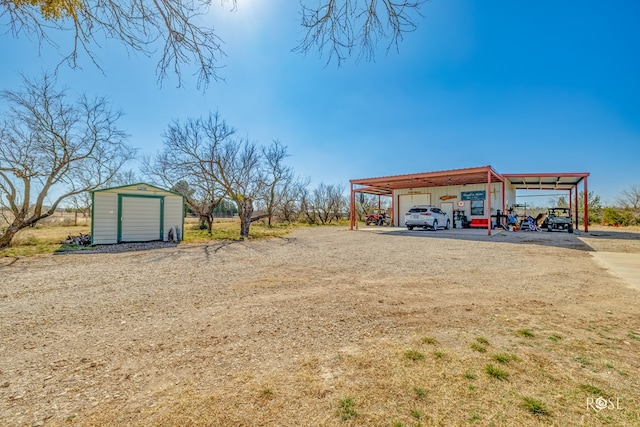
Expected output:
(377, 217)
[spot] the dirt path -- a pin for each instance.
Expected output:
(111, 338)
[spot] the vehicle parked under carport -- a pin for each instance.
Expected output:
(558, 219)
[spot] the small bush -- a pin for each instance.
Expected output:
(482, 340)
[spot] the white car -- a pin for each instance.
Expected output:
(427, 216)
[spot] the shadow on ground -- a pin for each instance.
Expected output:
(543, 238)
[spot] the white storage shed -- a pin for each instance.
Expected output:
(136, 213)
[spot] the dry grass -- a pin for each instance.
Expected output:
(383, 386)
(319, 330)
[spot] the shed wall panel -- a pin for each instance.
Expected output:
(173, 215)
(105, 218)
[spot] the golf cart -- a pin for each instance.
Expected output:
(558, 219)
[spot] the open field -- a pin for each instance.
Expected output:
(325, 327)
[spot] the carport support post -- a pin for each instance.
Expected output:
(586, 206)
(352, 210)
(489, 202)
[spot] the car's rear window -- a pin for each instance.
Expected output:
(418, 210)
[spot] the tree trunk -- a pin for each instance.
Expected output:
(7, 237)
(245, 221)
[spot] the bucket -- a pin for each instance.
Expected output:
(510, 227)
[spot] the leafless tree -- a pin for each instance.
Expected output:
(630, 198)
(338, 27)
(241, 173)
(283, 191)
(189, 156)
(324, 204)
(204, 153)
(52, 146)
(141, 25)
(365, 204)
(176, 29)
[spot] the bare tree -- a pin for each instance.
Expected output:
(189, 156)
(138, 24)
(241, 173)
(324, 204)
(51, 146)
(283, 191)
(630, 198)
(338, 27)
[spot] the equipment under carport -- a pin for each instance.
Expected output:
(460, 219)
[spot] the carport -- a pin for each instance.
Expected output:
(389, 185)
(557, 182)
(485, 180)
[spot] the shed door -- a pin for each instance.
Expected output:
(140, 219)
(407, 201)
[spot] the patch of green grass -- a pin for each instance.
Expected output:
(583, 361)
(535, 406)
(429, 340)
(496, 373)
(229, 229)
(266, 391)
(473, 418)
(608, 366)
(346, 409)
(470, 375)
(413, 355)
(634, 336)
(416, 413)
(526, 333)
(420, 392)
(439, 354)
(477, 347)
(555, 338)
(472, 387)
(397, 424)
(482, 340)
(591, 389)
(505, 358)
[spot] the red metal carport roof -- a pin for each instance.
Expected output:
(385, 184)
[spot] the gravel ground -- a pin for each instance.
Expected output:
(120, 332)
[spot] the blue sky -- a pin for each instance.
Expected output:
(523, 86)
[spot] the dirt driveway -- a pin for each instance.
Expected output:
(233, 333)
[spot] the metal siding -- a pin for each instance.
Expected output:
(172, 215)
(140, 219)
(407, 201)
(105, 218)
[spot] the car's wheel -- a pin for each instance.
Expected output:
(435, 225)
(448, 226)
(409, 227)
